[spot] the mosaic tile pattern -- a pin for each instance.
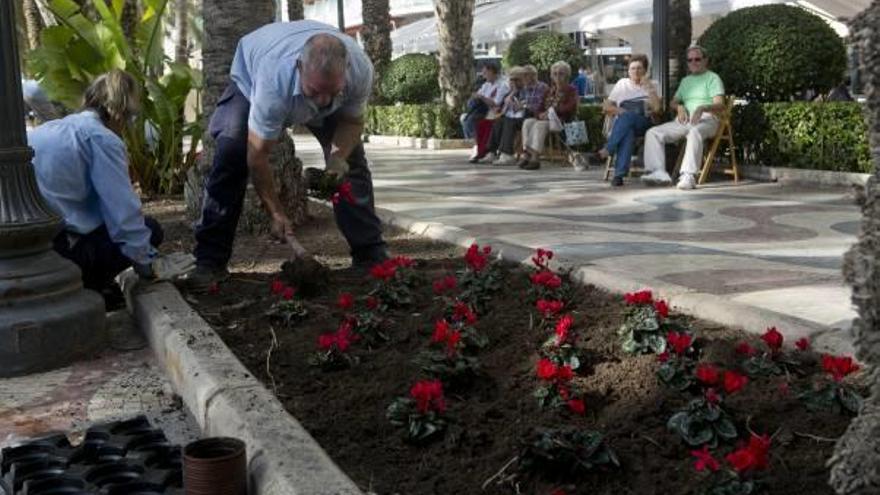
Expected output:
(766, 245)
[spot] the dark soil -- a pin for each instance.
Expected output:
(345, 410)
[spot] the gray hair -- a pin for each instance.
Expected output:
(324, 54)
(561, 65)
(115, 96)
(698, 48)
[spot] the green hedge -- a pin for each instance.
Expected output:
(411, 78)
(822, 136)
(426, 121)
(543, 49)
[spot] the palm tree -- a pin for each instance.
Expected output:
(32, 22)
(129, 19)
(376, 33)
(854, 463)
(230, 20)
(181, 35)
(680, 34)
(295, 10)
(455, 19)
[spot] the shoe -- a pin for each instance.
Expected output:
(365, 261)
(532, 165)
(617, 182)
(686, 182)
(474, 153)
(477, 158)
(203, 277)
(522, 162)
(504, 159)
(658, 177)
(488, 158)
(113, 298)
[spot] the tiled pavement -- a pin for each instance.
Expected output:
(115, 385)
(762, 245)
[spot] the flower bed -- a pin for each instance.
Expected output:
(466, 375)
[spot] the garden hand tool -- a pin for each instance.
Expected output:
(303, 271)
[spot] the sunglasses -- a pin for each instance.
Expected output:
(699, 59)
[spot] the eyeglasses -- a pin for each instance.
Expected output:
(698, 59)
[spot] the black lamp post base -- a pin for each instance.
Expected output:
(47, 320)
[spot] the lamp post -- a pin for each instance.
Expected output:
(340, 15)
(47, 320)
(660, 47)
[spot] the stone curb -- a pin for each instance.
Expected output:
(226, 400)
(709, 307)
(419, 143)
(795, 176)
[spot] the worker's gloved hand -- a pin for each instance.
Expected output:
(167, 266)
(336, 166)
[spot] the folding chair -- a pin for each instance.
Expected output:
(609, 163)
(724, 133)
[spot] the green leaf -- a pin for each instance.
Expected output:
(725, 428)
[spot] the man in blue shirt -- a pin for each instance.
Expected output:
(283, 74)
(81, 167)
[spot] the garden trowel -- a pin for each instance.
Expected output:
(303, 271)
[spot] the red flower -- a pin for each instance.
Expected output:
(734, 382)
(705, 460)
(441, 331)
(802, 343)
(548, 308)
(345, 301)
(401, 262)
(214, 289)
(663, 356)
(661, 308)
(577, 406)
(546, 369)
(707, 374)
(773, 339)
(428, 395)
(462, 311)
(326, 341)
(640, 297)
(343, 192)
(712, 396)
(745, 349)
(839, 367)
(563, 326)
(344, 336)
(680, 342)
(546, 279)
(372, 302)
(564, 373)
(384, 271)
(277, 286)
(752, 456)
(453, 340)
(475, 259)
(444, 284)
(287, 293)
(542, 256)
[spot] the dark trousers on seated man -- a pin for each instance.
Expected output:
(98, 257)
(504, 132)
(226, 184)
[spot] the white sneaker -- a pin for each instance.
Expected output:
(473, 153)
(686, 182)
(657, 177)
(504, 159)
(489, 158)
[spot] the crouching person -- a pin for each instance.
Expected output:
(81, 166)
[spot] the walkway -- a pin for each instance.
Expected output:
(752, 255)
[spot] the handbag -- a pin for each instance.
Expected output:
(554, 124)
(575, 133)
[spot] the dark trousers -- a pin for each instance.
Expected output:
(621, 142)
(504, 132)
(97, 256)
(226, 184)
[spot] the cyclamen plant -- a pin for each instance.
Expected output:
(423, 412)
(647, 324)
(555, 387)
(445, 359)
(560, 346)
(546, 284)
(677, 362)
(333, 348)
(742, 465)
(774, 360)
(705, 421)
(286, 310)
(834, 394)
(366, 322)
(566, 451)
(481, 277)
(395, 281)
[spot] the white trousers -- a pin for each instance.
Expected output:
(534, 133)
(672, 132)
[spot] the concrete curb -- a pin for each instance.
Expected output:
(709, 307)
(226, 400)
(419, 143)
(787, 175)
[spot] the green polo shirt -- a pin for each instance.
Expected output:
(698, 90)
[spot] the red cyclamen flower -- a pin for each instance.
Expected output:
(663, 356)
(452, 341)
(661, 308)
(345, 301)
(773, 339)
(802, 343)
(734, 382)
(745, 349)
(475, 259)
(441, 331)
(712, 396)
(705, 460)
(707, 374)
(277, 286)
(542, 257)
(428, 395)
(546, 369)
(680, 342)
(564, 373)
(751, 457)
(839, 366)
(444, 284)
(563, 327)
(287, 293)
(640, 297)
(546, 279)
(343, 192)
(462, 311)
(372, 302)
(326, 341)
(577, 406)
(384, 271)
(548, 308)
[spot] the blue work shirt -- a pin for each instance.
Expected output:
(264, 69)
(82, 171)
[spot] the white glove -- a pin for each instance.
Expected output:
(170, 266)
(337, 166)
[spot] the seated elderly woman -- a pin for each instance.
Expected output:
(81, 166)
(631, 103)
(505, 128)
(560, 105)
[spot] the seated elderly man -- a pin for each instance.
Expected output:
(487, 99)
(527, 101)
(699, 98)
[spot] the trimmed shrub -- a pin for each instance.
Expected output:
(772, 52)
(412, 78)
(425, 121)
(822, 136)
(543, 49)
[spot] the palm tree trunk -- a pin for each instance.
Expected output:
(680, 36)
(129, 20)
(230, 20)
(455, 19)
(295, 10)
(377, 39)
(854, 463)
(32, 23)
(181, 34)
